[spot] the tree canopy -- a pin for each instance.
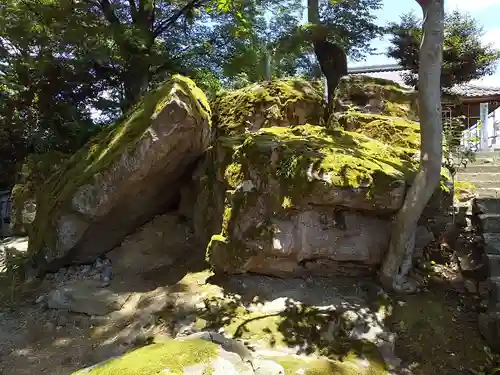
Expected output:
(465, 55)
(68, 67)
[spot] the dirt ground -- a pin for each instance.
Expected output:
(436, 329)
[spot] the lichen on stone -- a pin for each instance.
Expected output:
(276, 103)
(104, 149)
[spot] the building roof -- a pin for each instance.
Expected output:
(394, 73)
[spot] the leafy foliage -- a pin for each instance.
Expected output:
(465, 55)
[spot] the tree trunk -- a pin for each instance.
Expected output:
(313, 19)
(398, 260)
(313, 12)
(135, 82)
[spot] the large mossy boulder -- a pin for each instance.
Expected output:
(276, 103)
(122, 178)
(35, 171)
(301, 200)
(289, 198)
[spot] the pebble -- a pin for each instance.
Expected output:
(41, 299)
(98, 270)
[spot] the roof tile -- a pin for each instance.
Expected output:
(394, 73)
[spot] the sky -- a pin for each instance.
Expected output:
(486, 12)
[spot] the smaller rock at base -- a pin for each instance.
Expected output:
(86, 297)
(41, 299)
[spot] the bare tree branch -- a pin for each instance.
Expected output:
(171, 20)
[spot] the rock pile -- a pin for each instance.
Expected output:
(279, 192)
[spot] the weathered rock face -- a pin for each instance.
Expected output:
(309, 199)
(36, 170)
(277, 103)
(124, 177)
(300, 195)
(153, 247)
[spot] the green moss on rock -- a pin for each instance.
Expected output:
(172, 355)
(395, 131)
(302, 156)
(380, 95)
(265, 104)
(103, 149)
(321, 366)
(294, 165)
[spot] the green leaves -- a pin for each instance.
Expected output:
(68, 66)
(465, 55)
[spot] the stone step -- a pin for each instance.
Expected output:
(487, 168)
(486, 205)
(490, 223)
(482, 154)
(486, 184)
(492, 243)
(490, 192)
(486, 158)
(475, 177)
(494, 265)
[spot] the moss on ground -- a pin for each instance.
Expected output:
(276, 101)
(153, 359)
(297, 326)
(103, 150)
(436, 333)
